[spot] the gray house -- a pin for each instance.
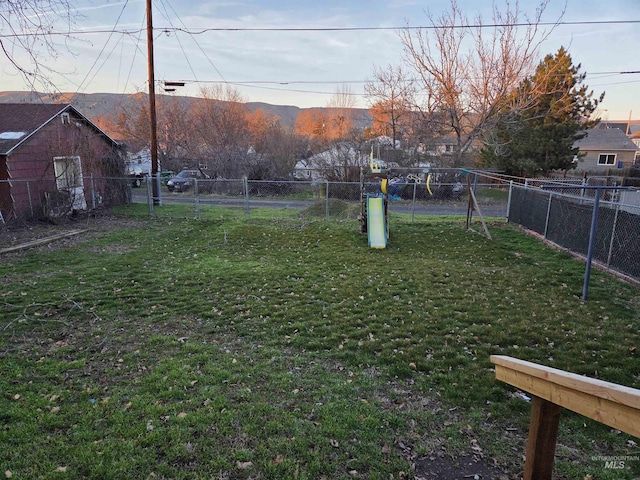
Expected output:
(605, 150)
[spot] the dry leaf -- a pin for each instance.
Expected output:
(334, 443)
(127, 406)
(61, 469)
(243, 465)
(8, 474)
(16, 396)
(182, 415)
(55, 410)
(278, 459)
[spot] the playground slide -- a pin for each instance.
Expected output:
(376, 231)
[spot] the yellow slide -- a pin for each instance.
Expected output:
(376, 229)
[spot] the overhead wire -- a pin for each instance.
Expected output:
(199, 46)
(274, 84)
(323, 29)
(101, 51)
(186, 57)
(264, 84)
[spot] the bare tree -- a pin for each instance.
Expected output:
(25, 28)
(340, 110)
(467, 69)
(221, 124)
(392, 97)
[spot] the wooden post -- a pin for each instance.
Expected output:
(614, 405)
(543, 434)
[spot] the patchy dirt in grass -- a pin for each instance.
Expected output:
(441, 467)
(19, 233)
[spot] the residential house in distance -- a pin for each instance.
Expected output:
(341, 162)
(606, 150)
(51, 158)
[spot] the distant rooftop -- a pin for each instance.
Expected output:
(606, 139)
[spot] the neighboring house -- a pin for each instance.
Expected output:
(49, 155)
(443, 145)
(627, 126)
(139, 162)
(605, 150)
(342, 162)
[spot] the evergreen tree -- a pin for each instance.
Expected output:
(542, 119)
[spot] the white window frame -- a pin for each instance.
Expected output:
(64, 117)
(68, 172)
(606, 158)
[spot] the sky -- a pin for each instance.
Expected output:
(195, 41)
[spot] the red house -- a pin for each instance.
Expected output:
(53, 160)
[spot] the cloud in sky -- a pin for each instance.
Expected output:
(323, 60)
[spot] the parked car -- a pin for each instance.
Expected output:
(166, 175)
(184, 180)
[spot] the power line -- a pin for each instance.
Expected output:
(320, 29)
(199, 47)
(406, 27)
(101, 52)
(334, 82)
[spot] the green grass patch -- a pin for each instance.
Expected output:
(280, 346)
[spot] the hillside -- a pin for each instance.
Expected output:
(109, 105)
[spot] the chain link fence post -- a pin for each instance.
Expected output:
(413, 202)
(509, 200)
(613, 236)
(245, 188)
(196, 198)
(149, 195)
(326, 200)
(546, 220)
(30, 199)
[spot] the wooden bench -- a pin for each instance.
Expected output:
(552, 389)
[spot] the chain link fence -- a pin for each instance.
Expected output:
(563, 216)
(565, 219)
(412, 192)
(52, 198)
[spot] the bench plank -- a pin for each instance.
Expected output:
(614, 405)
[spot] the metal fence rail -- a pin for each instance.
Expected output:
(337, 200)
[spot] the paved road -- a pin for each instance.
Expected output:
(421, 208)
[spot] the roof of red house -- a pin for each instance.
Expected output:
(18, 121)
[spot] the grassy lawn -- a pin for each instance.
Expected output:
(282, 347)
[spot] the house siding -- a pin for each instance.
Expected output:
(589, 163)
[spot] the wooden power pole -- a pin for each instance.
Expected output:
(152, 108)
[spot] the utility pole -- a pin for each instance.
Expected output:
(152, 108)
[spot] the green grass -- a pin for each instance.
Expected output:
(280, 346)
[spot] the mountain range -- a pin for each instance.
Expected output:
(108, 105)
